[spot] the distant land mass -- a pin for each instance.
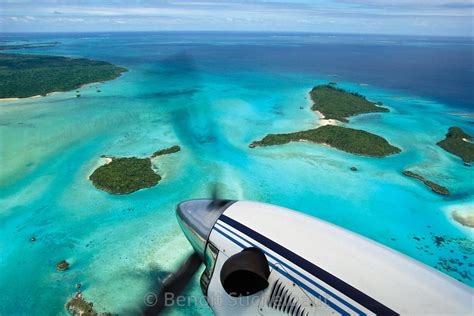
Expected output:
(459, 143)
(25, 76)
(338, 104)
(29, 45)
(350, 140)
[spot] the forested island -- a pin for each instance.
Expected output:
(458, 143)
(28, 45)
(350, 140)
(335, 103)
(166, 151)
(338, 104)
(128, 174)
(434, 186)
(31, 75)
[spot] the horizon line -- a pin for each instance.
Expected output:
(237, 31)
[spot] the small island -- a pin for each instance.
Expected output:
(350, 140)
(434, 186)
(167, 151)
(338, 104)
(25, 75)
(458, 143)
(125, 175)
(129, 174)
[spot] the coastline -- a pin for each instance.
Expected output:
(324, 121)
(107, 159)
(32, 97)
(333, 125)
(63, 74)
(102, 161)
(323, 144)
(51, 145)
(85, 85)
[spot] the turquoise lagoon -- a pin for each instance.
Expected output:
(213, 94)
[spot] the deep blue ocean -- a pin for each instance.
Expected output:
(213, 94)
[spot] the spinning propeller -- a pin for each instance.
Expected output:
(196, 217)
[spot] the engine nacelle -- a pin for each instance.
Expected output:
(264, 259)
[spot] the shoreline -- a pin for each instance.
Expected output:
(322, 144)
(32, 97)
(324, 121)
(107, 159)
(256, 144)
(102, 161)
(85, 85)
(51, 93)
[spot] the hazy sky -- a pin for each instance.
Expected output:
(428, 17)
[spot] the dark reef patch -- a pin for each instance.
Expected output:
(78, 306)
(167, 151)
(462, 268)
(173, 93)
(434, 186)
(62, 265)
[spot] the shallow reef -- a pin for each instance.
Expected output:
(78, 306)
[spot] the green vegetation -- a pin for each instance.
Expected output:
(23, 46)
(458, 143)
(171, 150)
(350, 140)
(434, 186)
(77, 306)
(29, 75)
(338, 104)
(125, 175)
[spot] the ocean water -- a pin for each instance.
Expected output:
(213, 94)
